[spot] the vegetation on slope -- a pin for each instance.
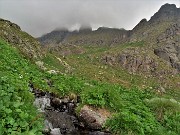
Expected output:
(134, 111)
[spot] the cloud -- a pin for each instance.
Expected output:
(41, 16)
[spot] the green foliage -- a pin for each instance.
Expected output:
(132, 114)
(167, 112)
(17, 114)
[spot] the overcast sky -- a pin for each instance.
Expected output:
(38, 17)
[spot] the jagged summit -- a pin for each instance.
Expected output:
(166, 12)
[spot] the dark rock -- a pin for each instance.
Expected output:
(166, 12)
(58, 104)
(169, 49)
(61, 120)
(70, 107)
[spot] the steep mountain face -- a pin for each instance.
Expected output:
(13, 34)
(160, 35)
(158, 23)
(167, 15)
(167, 12)
(169, 46)
(54, 37)
(101, 36)
(150, 49)
(85, 36)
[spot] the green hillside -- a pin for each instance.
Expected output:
(134, 111)
(133, 75)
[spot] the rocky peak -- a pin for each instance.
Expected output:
(56, 36)
(166, 12)
(140, 24)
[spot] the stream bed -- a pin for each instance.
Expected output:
(60, 117)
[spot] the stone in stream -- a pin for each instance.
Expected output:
(94, 119)
(47, 127)
(42, 103)
(55, 131)
(61, 120)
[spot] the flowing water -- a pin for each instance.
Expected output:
(60, 117)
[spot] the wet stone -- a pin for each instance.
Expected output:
(60, 115)
(61, 120)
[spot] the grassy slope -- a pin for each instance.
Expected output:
(27, 45)
(18, 116)
(89, 65)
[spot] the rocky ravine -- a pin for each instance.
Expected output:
(61, 119)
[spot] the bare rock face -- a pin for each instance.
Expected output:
(93, 119)
(169, 46)
(137, 63)
(170, 34)
(132, 62)
(166, 12)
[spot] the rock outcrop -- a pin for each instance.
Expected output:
(54, 37)
(85, 36)
(169, 46)
(167, 12)
(132, 63)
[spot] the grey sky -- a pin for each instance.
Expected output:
(41, 16)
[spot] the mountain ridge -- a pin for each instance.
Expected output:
(167, 12)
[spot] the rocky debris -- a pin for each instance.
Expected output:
(92, 118)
